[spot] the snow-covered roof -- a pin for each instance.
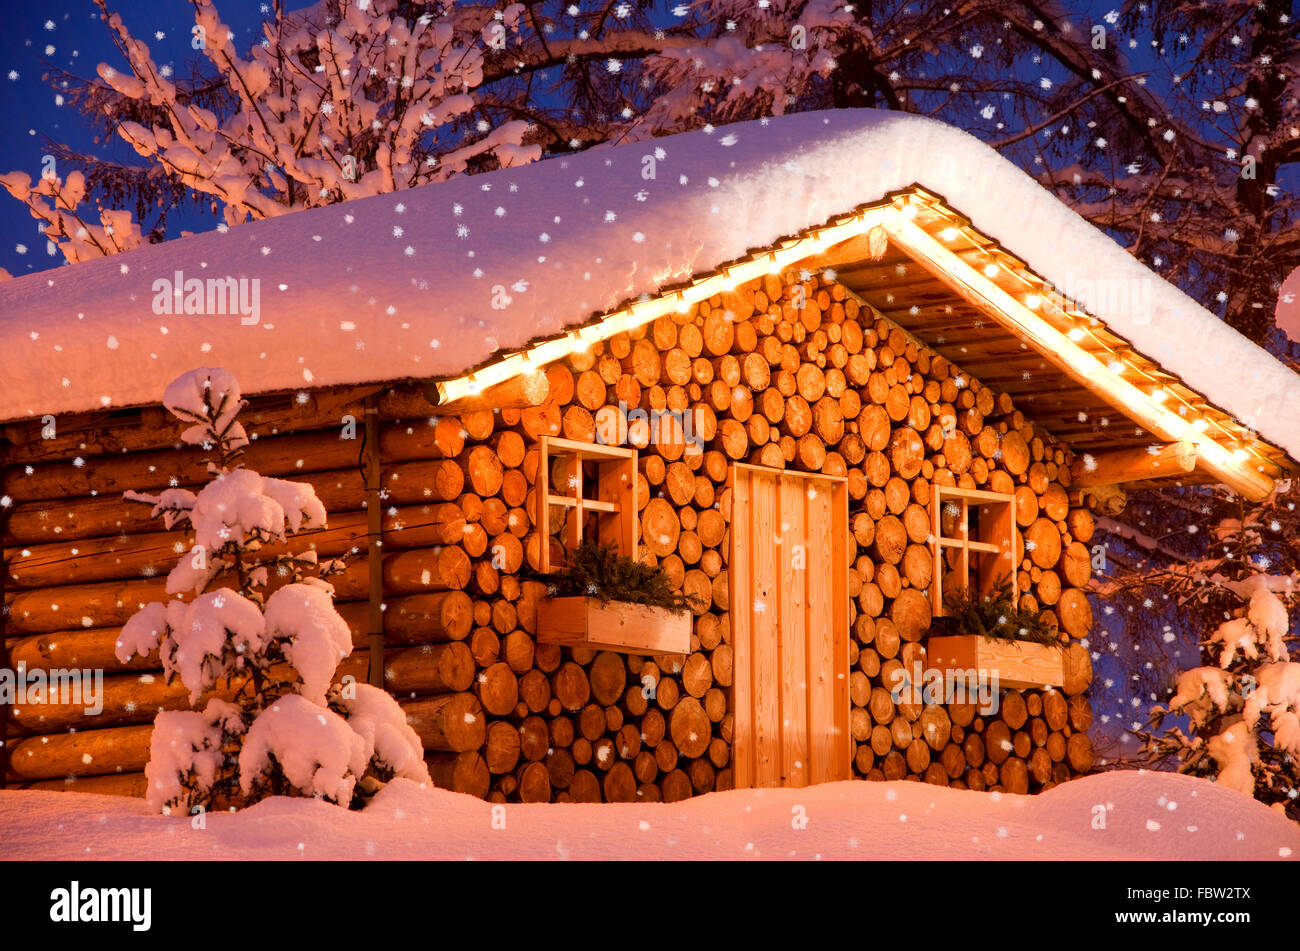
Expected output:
(432, 281)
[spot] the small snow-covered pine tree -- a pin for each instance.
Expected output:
(1243, 704)
(266, 717)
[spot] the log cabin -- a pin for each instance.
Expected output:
(818, 368)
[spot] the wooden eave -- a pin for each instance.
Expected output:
(989, 344)
(1084, 383)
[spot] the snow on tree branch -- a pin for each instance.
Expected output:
(55, 201)
(361, 103)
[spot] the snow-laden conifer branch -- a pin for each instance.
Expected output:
(259, 670)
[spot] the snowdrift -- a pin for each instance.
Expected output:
(1148, 815)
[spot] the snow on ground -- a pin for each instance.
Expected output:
(1148, 815)
(432, 281)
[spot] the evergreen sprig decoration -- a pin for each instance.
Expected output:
(598, 571)
(994, 614)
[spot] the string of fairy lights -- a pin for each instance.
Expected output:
(638, 313)
(1044, 299)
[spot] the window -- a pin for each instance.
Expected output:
(590, 492)
(975, 541)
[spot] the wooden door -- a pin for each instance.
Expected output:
(788, 573)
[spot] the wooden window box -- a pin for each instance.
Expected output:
(1016, 664)
(616, 626)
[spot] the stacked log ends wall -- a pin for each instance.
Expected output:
(789, 372)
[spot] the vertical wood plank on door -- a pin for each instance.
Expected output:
(821, 710)
(842, 762)
(767, 610)
(792, 628)
(740, 574)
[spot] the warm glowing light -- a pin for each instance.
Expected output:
(641, 312)
(898, 221)
(1111, 378)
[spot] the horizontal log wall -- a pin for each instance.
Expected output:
(784, 373)
(79, 561)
